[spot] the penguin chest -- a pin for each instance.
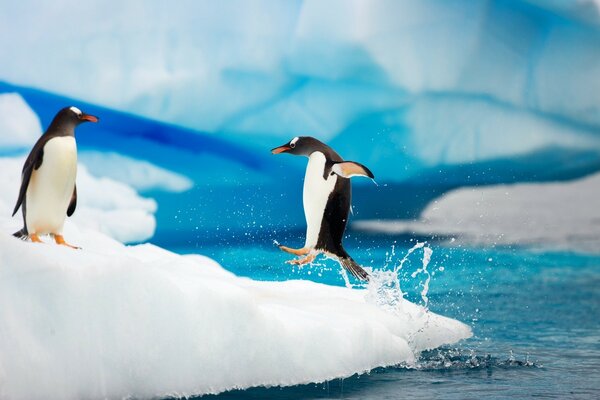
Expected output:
(51, 187)
(315, 196)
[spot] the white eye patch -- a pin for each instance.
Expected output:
(75, 110)
(294, 140)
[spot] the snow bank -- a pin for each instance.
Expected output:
(555, 215)
(111, 321)
(138, 174)
(19, 125)
(102, 204)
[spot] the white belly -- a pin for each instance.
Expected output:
(51, 187)
(315, 196)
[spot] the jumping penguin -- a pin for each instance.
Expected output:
(48, 193)
(326, 197)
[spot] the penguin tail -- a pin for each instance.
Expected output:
(21, 234)
(351, 266)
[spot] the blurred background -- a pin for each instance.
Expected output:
(444, 101)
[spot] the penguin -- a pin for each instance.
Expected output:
(48, 193)
(327, 200)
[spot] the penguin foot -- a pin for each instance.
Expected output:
(59, 239)
(298, 252)
(301, 261)
(35, 238)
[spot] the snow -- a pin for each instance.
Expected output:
(344, 71)
(138, 174)
(115, 321)
(19, 125)
(102, 204)
(560, 216)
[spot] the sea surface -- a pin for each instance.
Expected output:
(535, 315)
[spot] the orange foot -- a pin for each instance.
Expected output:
(301, 261)
(59, 239)
(35, 238)
(298, 252)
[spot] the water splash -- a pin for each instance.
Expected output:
(384, 289)
(425, 262)
(457, 359)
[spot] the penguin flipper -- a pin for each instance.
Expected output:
(25, 178)
(33, 162)
(348, 169)
(73, 203)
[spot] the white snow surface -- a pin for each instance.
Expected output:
(561, 216)
(138, 174)
(114, 321)
(19, 124)
(102, 204)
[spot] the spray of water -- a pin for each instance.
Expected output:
(423, 270)
(384, 289)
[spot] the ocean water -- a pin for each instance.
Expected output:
(535, 315)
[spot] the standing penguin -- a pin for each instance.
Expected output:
(48, 193)
(327, 196)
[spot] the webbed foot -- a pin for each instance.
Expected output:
(59, 239)
(301, 261)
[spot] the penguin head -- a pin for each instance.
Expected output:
(68, 118)
(300, 146)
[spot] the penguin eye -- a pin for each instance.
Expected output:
(292, 144)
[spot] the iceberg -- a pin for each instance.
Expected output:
(19, 124)
(115, 321)
(557, 216)
(403, 85)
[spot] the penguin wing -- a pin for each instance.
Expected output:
(33, 162)
(73, 203)
(348, 169)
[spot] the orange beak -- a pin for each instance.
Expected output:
(88, 117)
(281, 149)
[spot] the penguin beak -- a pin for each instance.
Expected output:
(88, 117)
(281, 149)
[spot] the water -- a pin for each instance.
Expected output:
(535, 317)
